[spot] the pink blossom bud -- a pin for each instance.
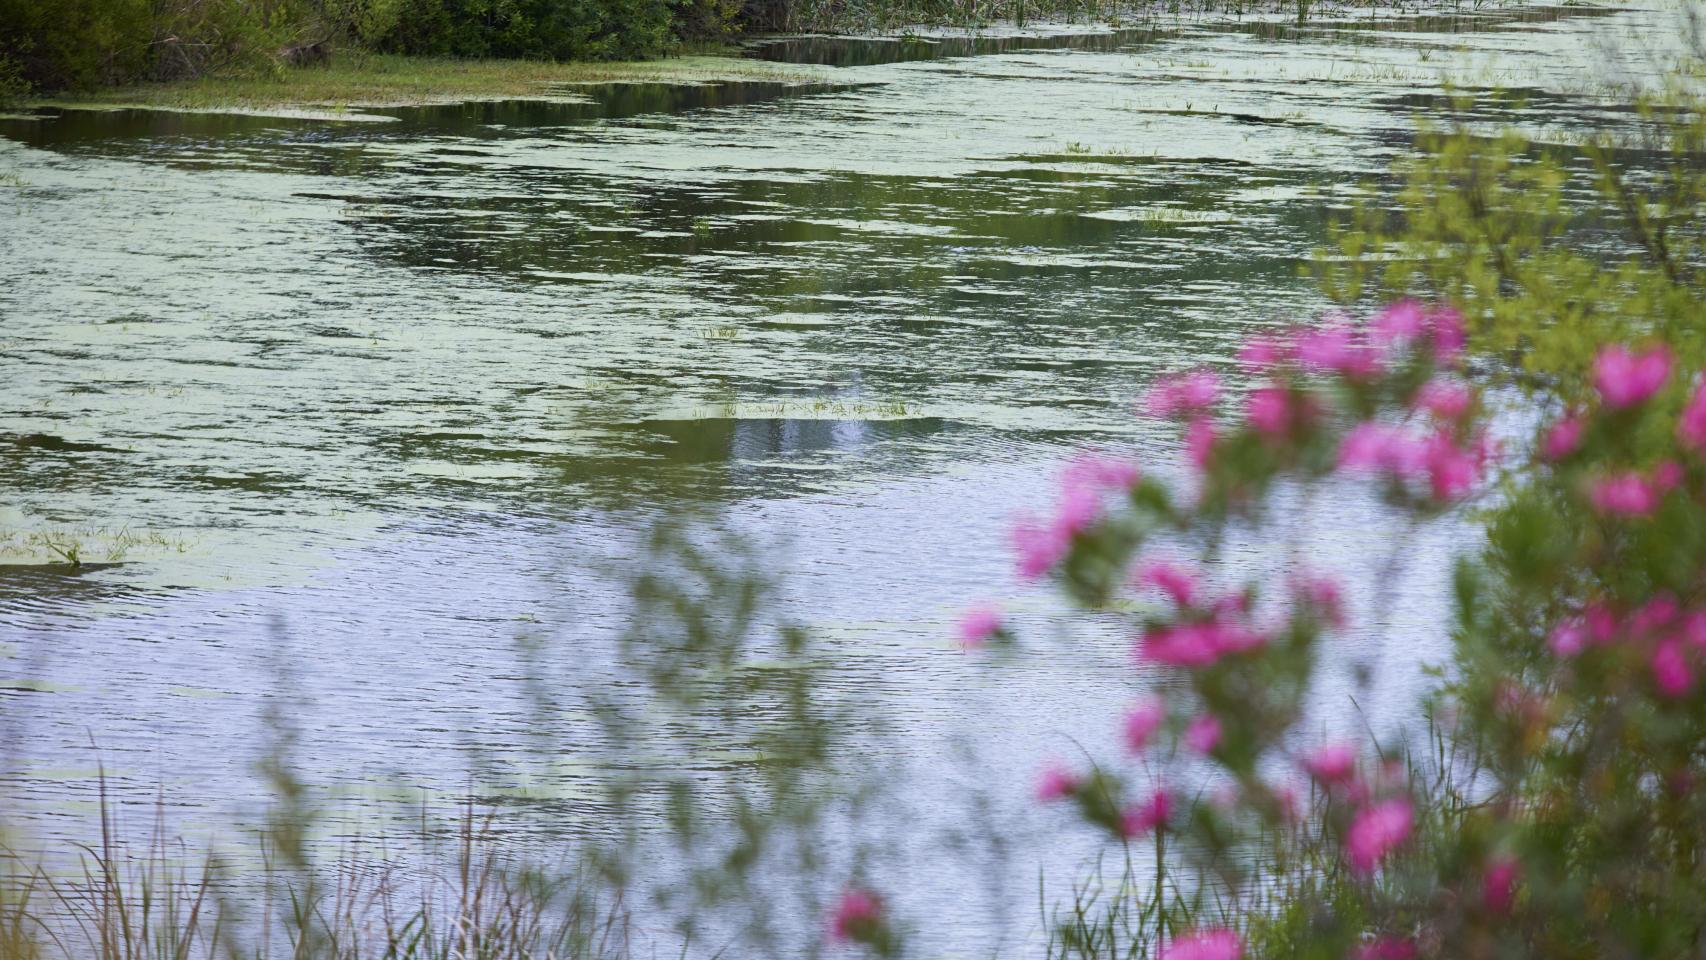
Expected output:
(1568, 638)
(1449, 332)
(1376, 831)
(1498, 884)
(1203, 945)
(1672, 674)
(1332, 764)
(856, 917)
(1177, 581)
(978, 625)
(1563, 438)
(1444, 399)
(1203, 733)
(1144, 817)
(1056, 783)
(1200, 438)
(1625, 494)
(1186, 393)
(1625, 379)
(1399, 323)
(1141, 722)
(1691, 426)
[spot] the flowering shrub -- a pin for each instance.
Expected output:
(1557, 812)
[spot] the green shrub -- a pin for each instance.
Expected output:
(59, 44)
(1551, 250)
(532, 29)
(13, 86)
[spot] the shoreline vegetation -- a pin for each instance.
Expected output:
(265, 75)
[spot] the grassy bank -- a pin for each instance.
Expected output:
(358, 79)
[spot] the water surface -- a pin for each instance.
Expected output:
(365, 404)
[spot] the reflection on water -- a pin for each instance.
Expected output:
(399, 386)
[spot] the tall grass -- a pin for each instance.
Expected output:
(160, 899)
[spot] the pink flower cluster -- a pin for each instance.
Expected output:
(857, 915)
(1625, 379)
(1498, 884)
(1183, 395)
(1203, 631)
(1439, 329)
(1451, 471)
(1673, 639)
(1342, 348)
(1276, 412)
(1198, 643)
(1057, 783)
(1630, 493)
(1141, 818)
(1333, 765)
(1083, 485)
(1376, 830)
(1142, 721)
(1218, 944)
(978, 626)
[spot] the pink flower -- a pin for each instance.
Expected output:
(1096, 473)
(978, 625)
(1039, 547)
(1181, 645)
(1142, 818)
(1451, 472)
(1386, 948)
(1199, 442)
(1450, 333)
(1141, 722)
(1563, 438)
(1625, 379)
(1602, 623)
(1177, 582)
(1444, 399)
(856, 915)
(1667, 476)
(1337, 348)
(1261, 354)
(1376, 446)
(1332, 764)
(1694, 630)
(1671, 673)
(1568, 638)
(1399, 323)
(1186, 393)
(1082, 485)
(1656, 614)
(1625, 494)
(1055, 783)
(1324, 594)
(1376, 831)
(1203, 733)
(1196, 644)
(1269, 410)
(1498, 884)
(1203, 945)
(1691, 426)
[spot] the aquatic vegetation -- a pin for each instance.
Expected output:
(77, 545)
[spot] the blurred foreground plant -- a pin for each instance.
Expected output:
(1556, 810)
